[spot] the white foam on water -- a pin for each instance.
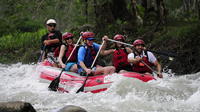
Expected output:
(21, 82)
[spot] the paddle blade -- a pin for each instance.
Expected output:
(54, 84)
(80, 89)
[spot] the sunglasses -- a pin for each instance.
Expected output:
(69, 38)
(52, 25)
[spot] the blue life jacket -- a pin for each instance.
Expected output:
(87, 54)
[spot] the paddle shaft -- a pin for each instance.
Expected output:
(120, 42)
(149, 67)
(60, 75)
(55, 83)
(161, 53)
(82, 87)
(73, 49)
(43, 51)
(97, 54)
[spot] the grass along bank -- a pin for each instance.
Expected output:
(20, 47)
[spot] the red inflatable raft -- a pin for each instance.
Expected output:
(71, 80)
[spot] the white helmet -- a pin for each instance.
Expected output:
(51, 21)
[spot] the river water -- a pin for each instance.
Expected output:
(21, 82)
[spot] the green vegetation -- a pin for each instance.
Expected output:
(23, 47)
(22, 25)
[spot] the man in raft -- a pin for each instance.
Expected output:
(87, 54)
(142, 60)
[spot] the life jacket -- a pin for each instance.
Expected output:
(54, 47)
(69, 49)
(90, 55)
(140, 67)
(57, 51)
(120, 60)
(92, 51)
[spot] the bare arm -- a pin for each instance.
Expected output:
(106, 52)
(129, 50)
(53, 41)
(61, 54)
(103, 51)
(88, 71)
(159, 68)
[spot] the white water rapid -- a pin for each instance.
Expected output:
(20, 82)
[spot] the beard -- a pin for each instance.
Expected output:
(139, 50)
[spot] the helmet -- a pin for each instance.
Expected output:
(51, 21)
(86, 35)
(119, 37)
(138, 42)
(67, 35)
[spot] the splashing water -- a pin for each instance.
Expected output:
(20, 82)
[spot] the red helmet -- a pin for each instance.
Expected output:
(119, 37)
(86, 35)
(67, 35)
(138, 42)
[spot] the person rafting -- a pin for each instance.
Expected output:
(143, 60)
(119, 59)
(65, 51)
(51, 42)
(87, 54)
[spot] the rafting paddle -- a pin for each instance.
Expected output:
(81, 89)
(170, 55)
(55, 83)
